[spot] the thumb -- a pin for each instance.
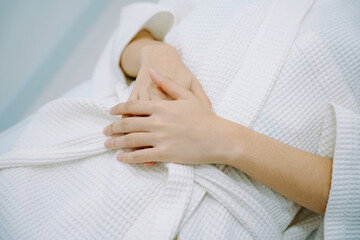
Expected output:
(175, 91)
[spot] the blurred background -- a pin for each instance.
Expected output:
(48, 47)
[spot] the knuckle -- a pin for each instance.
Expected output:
(129, 105)
(161, 137)
(124, 157)
(116, 143)
(136, 157)
(127, 141)
(110, 129)
(114, 127)
(164, 152)
(123, 125)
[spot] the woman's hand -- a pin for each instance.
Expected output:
(145, 53)
(183, 131)
(186, 131)
(165, 60)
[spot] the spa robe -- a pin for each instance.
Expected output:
(286, 69)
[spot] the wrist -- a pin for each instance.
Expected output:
(233, 148)
(154, 50)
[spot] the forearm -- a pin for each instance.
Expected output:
(303, 177)
(130, 60)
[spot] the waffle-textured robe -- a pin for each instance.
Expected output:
(285, 68)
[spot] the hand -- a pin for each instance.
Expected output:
(183, 131)
(143, 53)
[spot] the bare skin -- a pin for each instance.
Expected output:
(182, 129)
(143, 53)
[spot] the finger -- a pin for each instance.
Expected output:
(159, 94)
(155, 97)
(127, 125)
(175, 91)
(126, 116)
(133, 96)
(199, 92)
(145, 155)
(135, 107)
(144, 95)
(132, 140)
(148, 164)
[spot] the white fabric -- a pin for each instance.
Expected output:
(76, 189)
(9, 136)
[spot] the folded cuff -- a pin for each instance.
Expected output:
(342, 216)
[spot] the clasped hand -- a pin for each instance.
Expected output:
(184, 130)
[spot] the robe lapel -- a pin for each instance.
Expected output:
(249, 91)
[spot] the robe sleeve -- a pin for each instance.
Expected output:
(157, 18)
(342, 216)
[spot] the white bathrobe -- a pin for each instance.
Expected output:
(285, 68)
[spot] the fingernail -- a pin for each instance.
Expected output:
(118, 157)
(107, 144)
(106, 131)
